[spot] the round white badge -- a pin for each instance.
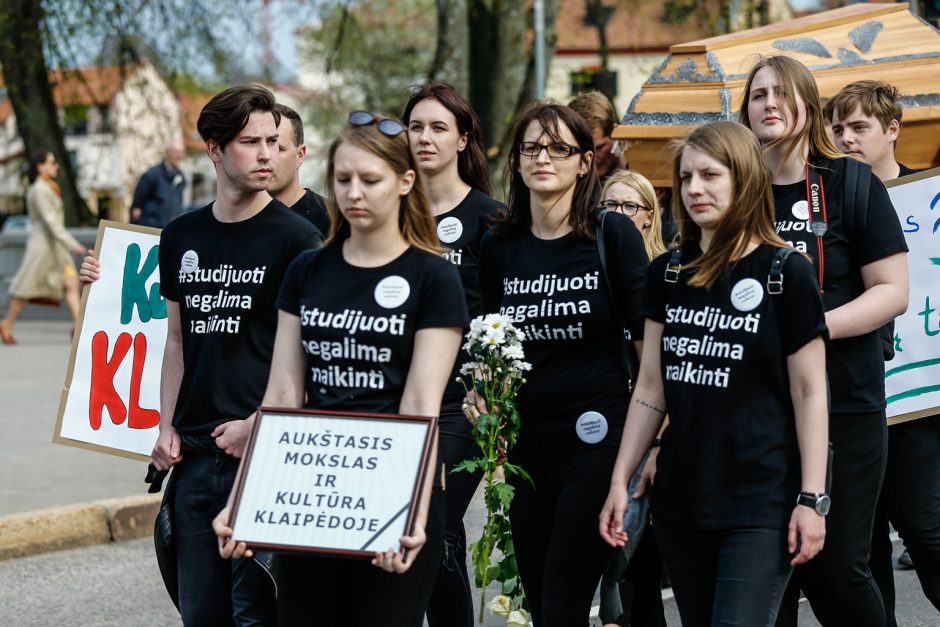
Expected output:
(189, 262)
(800, 210)
(747, 294)
(392, 291)
(591, 427)
(449, 230)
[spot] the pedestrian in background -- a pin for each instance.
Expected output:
(598, 112)
(47, 270)
(158, 197)
(631, 194)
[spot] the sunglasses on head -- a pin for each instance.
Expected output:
(386, 126)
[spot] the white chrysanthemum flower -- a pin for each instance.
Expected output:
(517, 618)
(501, 605)
(512, 351)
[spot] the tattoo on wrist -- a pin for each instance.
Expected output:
(640, 401)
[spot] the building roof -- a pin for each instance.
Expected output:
(82, 86)
(634, 26)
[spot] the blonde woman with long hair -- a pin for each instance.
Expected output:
(631, 194)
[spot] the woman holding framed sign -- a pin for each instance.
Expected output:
(381, 267)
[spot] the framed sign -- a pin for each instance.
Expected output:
(331, 482)
(912, 378)
(111, 399)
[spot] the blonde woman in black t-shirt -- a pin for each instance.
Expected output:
(541, 267)
(445, 137)
(859, 252)
(740, 370)
(381, 264)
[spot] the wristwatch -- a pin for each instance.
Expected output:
(819, 501)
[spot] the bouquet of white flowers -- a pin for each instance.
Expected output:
(492, 380)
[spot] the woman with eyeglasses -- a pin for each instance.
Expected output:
(854, 237)
(540, 266)
(740, 367)
(631, 194)
(381, 260)
(445, 138)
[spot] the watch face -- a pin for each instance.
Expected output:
(822, 505)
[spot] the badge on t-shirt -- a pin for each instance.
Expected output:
(190, 261)
(800, 210)
(449, 230)
(747, 294)
(591, 427)
(392, 291)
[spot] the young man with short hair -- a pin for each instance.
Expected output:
(285, 181)
(598, 112)
(221, 267)
(866, 122)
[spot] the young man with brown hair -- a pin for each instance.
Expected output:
(598, 112)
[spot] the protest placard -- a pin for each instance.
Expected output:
(331, 482)
(111, 399)
(912, 378)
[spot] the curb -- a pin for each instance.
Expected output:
(74, 526)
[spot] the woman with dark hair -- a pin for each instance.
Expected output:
(446, 140)
(740, 370)
(854, 237)
(540, 266)
(381, 260)
(47, 269)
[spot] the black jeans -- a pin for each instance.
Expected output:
(451, 602)
(214, 591)
(641, 586)
(838, 582)
(351, 592)
(560, 553)
(910, 499)
(725, 577)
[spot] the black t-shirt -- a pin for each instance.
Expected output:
(357, 325)
(460, 231)
(225, 277)
(855, 365)
(906, 170)
(312, 206)
(730, 456)
(554, 292)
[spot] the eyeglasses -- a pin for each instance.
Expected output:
(556, 150)
(386, 126)
(626, 208)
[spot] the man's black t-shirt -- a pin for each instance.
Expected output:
(904, 170)
(357, 325)
(730, 457)
(855, 365)
(312, 206)
(460, 231)
(225, 277)
(576, 396)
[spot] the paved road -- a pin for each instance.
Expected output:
(119, 584)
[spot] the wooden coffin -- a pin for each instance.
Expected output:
(703, 81)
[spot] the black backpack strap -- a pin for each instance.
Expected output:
(855, 194)
(630, 358)
(775, 278)
(673, 266)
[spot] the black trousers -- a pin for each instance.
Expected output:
(910, 499)
(837, 582)
(560, 553)
(451, 602)
(351, 592)
(725, 577)
(641, 586)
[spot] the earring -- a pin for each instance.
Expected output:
(647, 225)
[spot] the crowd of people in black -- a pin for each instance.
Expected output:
(759, 407)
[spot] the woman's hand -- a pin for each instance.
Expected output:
(228, 548)
(399, 562)
(90, 270)
(807, 532)
(474, 405)
(611, 518)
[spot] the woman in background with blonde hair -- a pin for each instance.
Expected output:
(631, 194)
